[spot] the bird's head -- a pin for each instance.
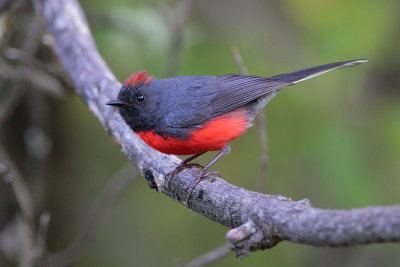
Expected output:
(137, 101)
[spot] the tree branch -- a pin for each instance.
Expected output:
(260, 221)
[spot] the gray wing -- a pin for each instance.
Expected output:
(235, 90)
(213, 96)
(209, 97)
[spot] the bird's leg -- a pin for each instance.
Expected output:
(182, 165)
(204, 173)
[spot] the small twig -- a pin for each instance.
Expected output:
(239, 61)
(44, 222)
(177, 25)
(26, 242)
(262, 134)
(211, 256)
(34, 34)
(39, 79)
(262, 128)
(24, 57)
(23, 198)
(19, 188)
(111, 193)
(9, 102)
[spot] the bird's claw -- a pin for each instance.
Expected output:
(195, 165)
(192, 185)
(180, 168)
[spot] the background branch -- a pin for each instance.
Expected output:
(176, 23)
(261, 126)
(29, 249)
(211, 256)
(260, 221)
(111, 193)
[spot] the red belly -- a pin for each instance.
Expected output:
(214, 135)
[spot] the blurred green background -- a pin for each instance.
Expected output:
(334, 139)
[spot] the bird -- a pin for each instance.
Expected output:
(191, 115)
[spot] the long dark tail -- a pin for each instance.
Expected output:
(302, 75)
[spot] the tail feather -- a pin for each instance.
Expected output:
(302, 75)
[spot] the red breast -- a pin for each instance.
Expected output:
(213, 135)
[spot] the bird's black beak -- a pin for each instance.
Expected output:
(116, 103)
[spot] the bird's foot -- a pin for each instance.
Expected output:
(183, 165)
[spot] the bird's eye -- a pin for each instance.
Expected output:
(140, 98)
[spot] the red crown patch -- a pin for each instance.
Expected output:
(138, 78)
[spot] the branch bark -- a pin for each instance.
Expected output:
(260, 221)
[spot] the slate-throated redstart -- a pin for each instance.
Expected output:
(195, 114)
